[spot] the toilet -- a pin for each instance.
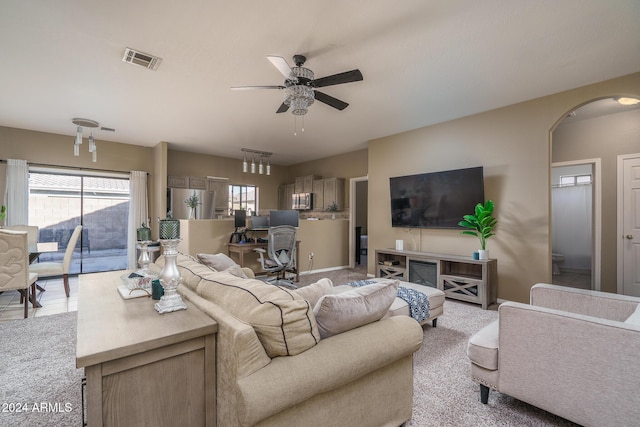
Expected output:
(556, 259)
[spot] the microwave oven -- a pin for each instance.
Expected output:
(302, 201)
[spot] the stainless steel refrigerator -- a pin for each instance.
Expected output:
(206, 209)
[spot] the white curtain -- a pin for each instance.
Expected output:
(16, 196)
(138, 212)
(572, 225)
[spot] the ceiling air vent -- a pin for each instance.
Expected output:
(142, 59)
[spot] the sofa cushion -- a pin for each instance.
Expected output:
(284, 321)
(315, 291)
(483, 347)
(337, 313)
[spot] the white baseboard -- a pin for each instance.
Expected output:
(322, 270)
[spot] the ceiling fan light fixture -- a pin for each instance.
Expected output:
(623, 100)
(299, 98)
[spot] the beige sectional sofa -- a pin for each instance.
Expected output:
(274, 369)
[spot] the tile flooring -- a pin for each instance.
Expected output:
(580, 280)
(53, 300)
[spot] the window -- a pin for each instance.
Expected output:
(59, 200)
(243, 197)
(569, 180)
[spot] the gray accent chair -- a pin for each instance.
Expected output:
(571, 352)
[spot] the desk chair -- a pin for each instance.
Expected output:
(14, 266)
(54, 269)
(281, 254)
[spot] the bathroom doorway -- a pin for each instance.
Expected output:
(575, 221)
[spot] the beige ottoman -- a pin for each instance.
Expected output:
(401, 308)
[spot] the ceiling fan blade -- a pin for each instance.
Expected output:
(336, 79)
(281, 64)
(283, 108)
(255, 87)
(330, 100)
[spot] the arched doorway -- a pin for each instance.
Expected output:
(584, 146)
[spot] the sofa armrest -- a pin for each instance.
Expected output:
(332, 363)
(604, 305)
(580, 367)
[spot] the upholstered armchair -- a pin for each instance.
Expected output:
(14, 266)
(571, 352)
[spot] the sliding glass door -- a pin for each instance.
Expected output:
(59, 201)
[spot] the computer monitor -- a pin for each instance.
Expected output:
(240, 218)
(259, 222)
(285, 217)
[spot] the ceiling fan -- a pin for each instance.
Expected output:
(300, 85)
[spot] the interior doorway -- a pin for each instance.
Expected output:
(575, 223)
(628, 224)
(358, 214)
(597, 132)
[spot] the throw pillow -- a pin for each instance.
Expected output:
(342, 312)
(218, 262)
(315, 291)
(283, 320)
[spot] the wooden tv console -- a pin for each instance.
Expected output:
(459, 277)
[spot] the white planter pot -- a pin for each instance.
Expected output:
(483, 254)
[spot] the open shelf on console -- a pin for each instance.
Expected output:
(462, 269)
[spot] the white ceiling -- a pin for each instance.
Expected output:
(423, 61)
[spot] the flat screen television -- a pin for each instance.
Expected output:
(435, 199)
(284, 217)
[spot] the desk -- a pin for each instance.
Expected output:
(243, 248)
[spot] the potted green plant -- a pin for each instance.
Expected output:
(333, 208)
(192, 202)
(481, 225)
(3, 214)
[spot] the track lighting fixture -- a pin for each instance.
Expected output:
(80, 123)
(262, 168)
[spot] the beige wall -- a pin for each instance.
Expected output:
(602, 138)
(349, 165)
(513, 146)
(52, 149)
(183, 163)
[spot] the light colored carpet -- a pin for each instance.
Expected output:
(42, 370)
(39, 382)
